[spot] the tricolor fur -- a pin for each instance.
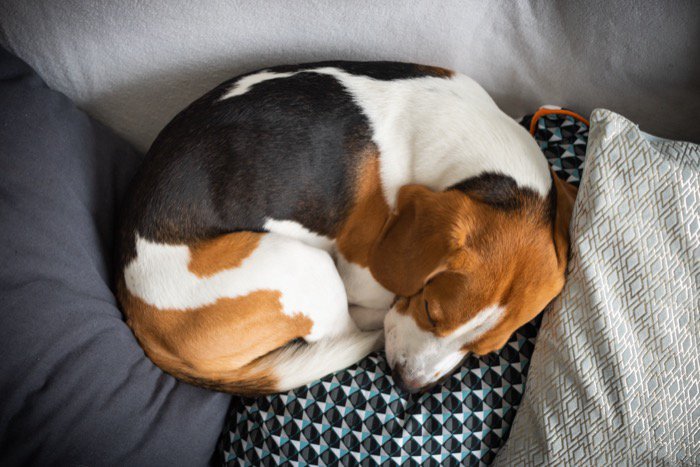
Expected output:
(280, 196)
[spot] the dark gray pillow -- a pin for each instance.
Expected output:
(75, 386)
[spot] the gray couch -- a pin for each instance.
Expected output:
(134, 64)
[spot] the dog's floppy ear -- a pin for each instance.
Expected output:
(565, 198)
(414, 242)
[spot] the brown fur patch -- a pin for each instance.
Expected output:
(225, 252)
(416, 240)
(565, 199)
(220, 345)
(435, 71)
(368, 213)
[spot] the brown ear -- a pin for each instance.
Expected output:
(414, 242)
(566, 196)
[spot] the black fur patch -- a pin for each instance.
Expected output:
(502, 192)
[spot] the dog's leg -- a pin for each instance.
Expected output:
(367, 319)
(361, 288)
(335, 342)
(243, 303)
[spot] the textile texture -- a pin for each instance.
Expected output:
(615, 378)
(76, 387)
(134, 64)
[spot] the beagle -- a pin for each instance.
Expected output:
(285, 217)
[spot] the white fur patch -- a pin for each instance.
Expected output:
(368, 319)
(296, 366)
(244, 84)
(425, 357)
(361, 287)
(435, 131)
(305, 276)
(295, 230)
(483, 322)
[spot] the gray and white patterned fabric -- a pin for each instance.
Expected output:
(615, 377)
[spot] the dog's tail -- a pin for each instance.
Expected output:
(299, 364)
(293, 365)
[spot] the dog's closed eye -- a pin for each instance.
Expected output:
(432, 322)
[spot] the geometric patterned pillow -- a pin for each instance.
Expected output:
(616, 377)
(358, 415)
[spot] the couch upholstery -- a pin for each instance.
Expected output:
(135, 64)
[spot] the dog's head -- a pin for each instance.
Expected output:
(469, 265)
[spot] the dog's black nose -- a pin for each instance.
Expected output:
(407, 386)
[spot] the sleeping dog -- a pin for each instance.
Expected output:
(281, 220)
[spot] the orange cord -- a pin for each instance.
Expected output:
(543, 111)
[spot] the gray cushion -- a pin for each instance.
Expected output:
(615, 376)
(76, 387)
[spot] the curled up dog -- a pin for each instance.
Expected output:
(296, 218)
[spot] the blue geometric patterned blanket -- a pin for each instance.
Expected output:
(359, 416)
